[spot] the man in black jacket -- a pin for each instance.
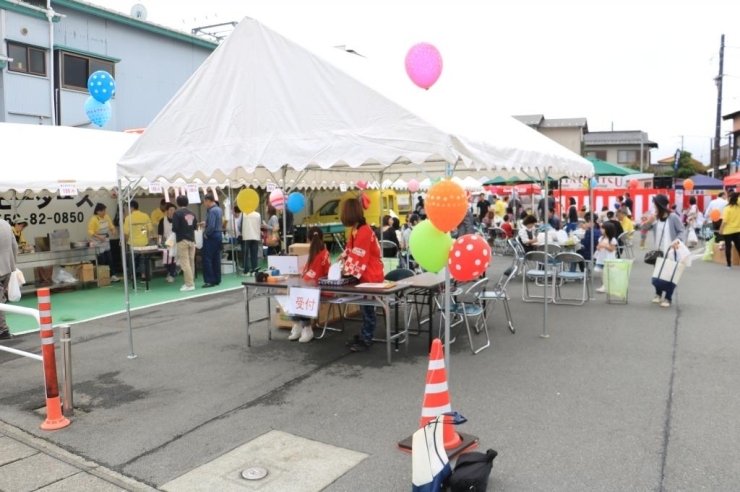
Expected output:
(184, 223)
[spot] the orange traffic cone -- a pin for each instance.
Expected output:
(437, 395)
(436, 402)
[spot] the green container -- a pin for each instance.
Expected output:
(617, 277)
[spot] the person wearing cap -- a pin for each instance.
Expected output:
(212, 242)
(19, 223)
(667, 226)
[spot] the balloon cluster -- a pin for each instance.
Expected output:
(248, 200)
(102, 87)
(431, 244)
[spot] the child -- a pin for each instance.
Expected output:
(606, 249)
(317, 267)
(506, 226)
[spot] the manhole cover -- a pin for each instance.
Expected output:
(254, 473)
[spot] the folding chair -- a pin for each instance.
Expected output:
(565, 273)
(534, 271)
(497, 238)
(395, 276)
(490, 297)
(455, 319)
(519, 253)
(470, 305)
(389, 251)
(625, 245)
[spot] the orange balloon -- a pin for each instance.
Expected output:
(715, 215)
(446, 205)
(688, 185)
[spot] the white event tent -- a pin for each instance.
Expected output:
(55, 154)
(262, 107)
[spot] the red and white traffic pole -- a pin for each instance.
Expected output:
(54, 418)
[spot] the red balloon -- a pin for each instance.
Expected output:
(633, 184)
(470, 256)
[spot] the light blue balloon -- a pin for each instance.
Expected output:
(101, 86)
(594, 182)
(99, 113)
(296, 202)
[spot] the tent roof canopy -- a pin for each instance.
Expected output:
(294, 116)
(702, 182)
(604, 168)
(55, 154)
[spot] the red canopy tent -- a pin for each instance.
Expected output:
(522, 189)
(732, 180)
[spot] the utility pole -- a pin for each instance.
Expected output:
(642, 152)
(718, 123)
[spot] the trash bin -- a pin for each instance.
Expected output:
(617, 280)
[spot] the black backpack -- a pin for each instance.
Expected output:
(471, 472)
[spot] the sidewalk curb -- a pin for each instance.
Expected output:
(78, 462)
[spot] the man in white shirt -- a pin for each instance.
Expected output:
(252, 238)
(718, 203)
(411, 222)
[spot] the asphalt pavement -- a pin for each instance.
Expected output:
(619, 397)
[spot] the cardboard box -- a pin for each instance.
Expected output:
(87, 272)
(227, 267)
(282, 320)
(719, 256)
(103, 276)
(299, 249)
(288, 265)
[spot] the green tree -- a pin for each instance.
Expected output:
(686, 166)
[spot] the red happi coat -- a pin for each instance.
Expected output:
(319, 267)
(363, 255)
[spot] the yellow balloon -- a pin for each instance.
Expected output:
(247, 200)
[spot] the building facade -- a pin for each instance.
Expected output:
(568, 132)
(47, 56)
(620, 147)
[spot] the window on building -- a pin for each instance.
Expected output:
(626, 157)
(36, 3)
(27, 59)
(76, 69)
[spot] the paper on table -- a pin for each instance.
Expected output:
(335, 271)
(378, 285)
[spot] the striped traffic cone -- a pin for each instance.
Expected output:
(436, 402)
(437, 395)
(54, 418)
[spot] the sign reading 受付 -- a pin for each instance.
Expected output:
(155, 188)
(304, 301)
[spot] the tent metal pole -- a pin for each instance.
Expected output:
(448, 305)
(593, 223)
(285, 213)
(547, 252)
(232, 226)
(131, 354)
(129, 197)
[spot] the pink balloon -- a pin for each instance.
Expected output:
(361, 184)
(424, 65)
(413, 185)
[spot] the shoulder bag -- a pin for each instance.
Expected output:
(652, 256)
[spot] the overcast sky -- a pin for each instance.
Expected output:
(646, 65)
